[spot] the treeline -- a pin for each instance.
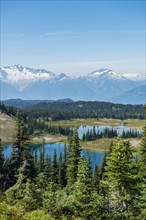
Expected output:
(39, 125)
(81, 109)
(33, 187)
(92, 134)
(9, 110)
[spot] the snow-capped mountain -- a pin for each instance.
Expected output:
(28, 83)
(21, 76)
(106, 73)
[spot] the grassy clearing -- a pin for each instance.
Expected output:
(7, 128)
(104, 143)
(133, 123)
(48, 138)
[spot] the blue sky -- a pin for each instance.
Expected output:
(75, 37)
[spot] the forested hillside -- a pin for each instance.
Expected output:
(62, 110)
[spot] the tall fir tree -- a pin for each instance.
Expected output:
(121, 181)
(20, 152)
(60, 171)
(84, 202)
(74, 156)
(54, 168)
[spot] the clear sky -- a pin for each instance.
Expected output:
(74, 37)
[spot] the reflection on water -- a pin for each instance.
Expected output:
(95, 156)
(120, 128)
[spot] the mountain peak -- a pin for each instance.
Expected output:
(106, 73)
(21, 76)
(100, 71)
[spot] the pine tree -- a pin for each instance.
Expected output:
(20, 152)
(47, 168)
(96, 177)
(122, 187)
(41, 158)
(64, 165)
(84, 202)
(103, 165)
(60, 171)
(54, 168)
(74, 155)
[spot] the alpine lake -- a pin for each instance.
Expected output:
(95, 156)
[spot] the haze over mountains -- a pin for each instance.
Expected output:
(101, 85)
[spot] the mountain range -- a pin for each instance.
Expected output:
(101, 85)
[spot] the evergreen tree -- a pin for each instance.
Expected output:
(74, 155)
(64, 165)
(54, 168)
(84, 202)
(47, 168)
(60, 171)
(103, 165)
(122, 187)
(41, 158)
(20, 152)
(96, 177)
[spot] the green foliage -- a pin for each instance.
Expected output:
(121, 180)
(143, 155)
(40, 214)
(66, 189)
(74, 156)
(2, 170)
(84, 201)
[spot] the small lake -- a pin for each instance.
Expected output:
(120, 128)
(95, 156)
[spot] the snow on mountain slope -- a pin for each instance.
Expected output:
(135, 76)
(28, 83)
(23, 76)
(105, 72)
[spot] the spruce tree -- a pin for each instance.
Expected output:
(20, 151)
(47, 168)
(96, 177)
(64, 165)
(41, 158)
(120, 179)
(54, 168)
(84, 202)
(74, 155)
(60, 171)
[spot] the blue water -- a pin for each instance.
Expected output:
(120, 128)
(95, 156)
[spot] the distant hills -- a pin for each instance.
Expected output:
(19, 103)
(101, 85)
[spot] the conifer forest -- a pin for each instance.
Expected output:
(67, 187)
